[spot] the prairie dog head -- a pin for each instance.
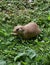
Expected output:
(18, 30)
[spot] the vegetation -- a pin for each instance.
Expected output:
(15, 51)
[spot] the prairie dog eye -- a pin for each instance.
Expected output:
(17, 29)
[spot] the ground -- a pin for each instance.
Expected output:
(16, 51)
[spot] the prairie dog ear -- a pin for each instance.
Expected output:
(20, 29)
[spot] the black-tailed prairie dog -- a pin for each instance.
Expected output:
(27, 31)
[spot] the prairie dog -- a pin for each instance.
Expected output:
(27, 31)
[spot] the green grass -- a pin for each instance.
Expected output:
(13, 50)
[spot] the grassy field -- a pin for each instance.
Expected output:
(13, 50)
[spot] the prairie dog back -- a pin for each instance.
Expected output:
(32, 27)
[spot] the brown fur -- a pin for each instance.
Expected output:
(27, 31)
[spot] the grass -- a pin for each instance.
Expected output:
(13, 50)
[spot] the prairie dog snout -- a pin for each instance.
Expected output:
(27, 31)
